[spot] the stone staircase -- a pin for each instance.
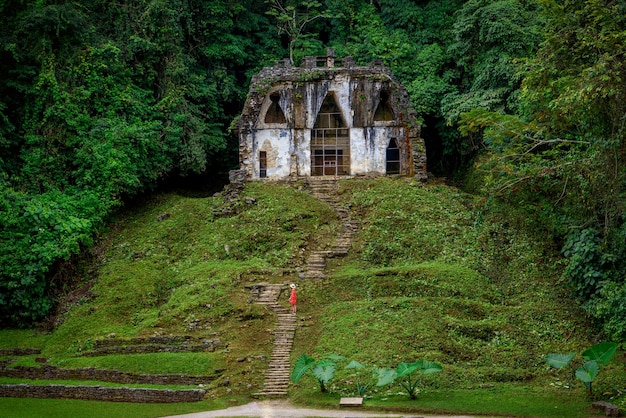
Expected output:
(325, 189)
(277, 375)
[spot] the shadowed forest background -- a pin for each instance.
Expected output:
(522, 101)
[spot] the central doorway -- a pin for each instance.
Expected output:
(330, 141)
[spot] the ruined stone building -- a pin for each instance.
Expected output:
(326, 120)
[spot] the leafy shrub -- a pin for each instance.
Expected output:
(37, 231)
(610, 309)
(587, 262)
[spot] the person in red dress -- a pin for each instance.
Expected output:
(293, 298)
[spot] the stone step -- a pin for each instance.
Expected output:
(271, 394)
(277, 393)
(317, 259)
(317, 266)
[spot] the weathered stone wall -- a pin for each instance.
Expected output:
(46, 372)
(99, 393)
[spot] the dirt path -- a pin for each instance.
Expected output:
(283, 409)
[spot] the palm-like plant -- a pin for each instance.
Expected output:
(599, 354)
(323, 369)
(403, 375)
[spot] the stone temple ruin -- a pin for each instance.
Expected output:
(325, 120)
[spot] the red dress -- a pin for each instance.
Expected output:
(293, 298)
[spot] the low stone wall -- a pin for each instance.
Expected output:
(46, 372)
(19, 351)
(99, 393)
(157, 344)
(157, 339)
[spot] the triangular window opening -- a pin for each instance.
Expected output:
(384, 112)
(330, 141)
(274, 112)
(393, 157)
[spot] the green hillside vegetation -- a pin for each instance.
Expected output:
(433, 273)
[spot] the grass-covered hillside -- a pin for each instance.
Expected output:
(433, 273)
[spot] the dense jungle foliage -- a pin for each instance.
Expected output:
(100, 101)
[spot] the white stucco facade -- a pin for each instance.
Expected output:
(322, 121)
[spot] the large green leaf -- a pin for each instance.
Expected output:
(334, 357)
(303, 365)
(430, 367)
(588, 372)
(559, 361)
(354, 365)
(323, 363)
(385, 376)
(405, 369)
(602, 353)
(324, 373)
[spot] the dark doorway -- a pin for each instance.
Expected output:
(330, 141)
(262, 164)
(393, 157)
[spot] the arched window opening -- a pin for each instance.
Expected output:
(274, 112)
(384, 112)
(393, 157)
(330, 141)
